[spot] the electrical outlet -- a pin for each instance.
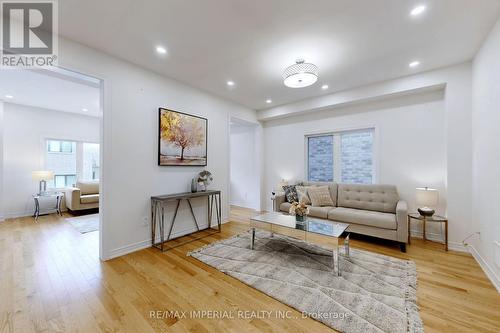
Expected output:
(145, 221)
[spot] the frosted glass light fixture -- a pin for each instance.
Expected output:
(300, 75)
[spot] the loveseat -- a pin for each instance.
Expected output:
(373, 210)
(85, 195)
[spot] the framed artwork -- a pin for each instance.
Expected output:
(182, 139)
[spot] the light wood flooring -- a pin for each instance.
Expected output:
(51, 280)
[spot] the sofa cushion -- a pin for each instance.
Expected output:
(89, 198)
(285, 207)
(319, 212)
(302, 194)
(381, 198)
(320, 196)
(90, 187)
(332, 187)
(364, 217)
(290, 193)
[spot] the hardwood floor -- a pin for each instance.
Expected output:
(51, 280)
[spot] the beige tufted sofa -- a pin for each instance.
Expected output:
(373, 210)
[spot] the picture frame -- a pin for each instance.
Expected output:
(182, 139)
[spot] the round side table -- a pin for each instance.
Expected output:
(57, 195)
(425, 219)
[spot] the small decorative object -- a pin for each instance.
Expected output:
(42, 177)
(182, 139)
(204, 179)
(299, 210)
(426, 197)
(194, 185)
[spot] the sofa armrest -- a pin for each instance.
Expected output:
(72, 196)
(402, 221)
(278, 200)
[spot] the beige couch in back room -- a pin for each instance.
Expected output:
(373, 210)
(85, 195)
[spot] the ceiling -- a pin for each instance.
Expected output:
(353, 42)
(55, 90)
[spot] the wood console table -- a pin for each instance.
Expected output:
(158, 213)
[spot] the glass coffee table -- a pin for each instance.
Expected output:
(281, 224)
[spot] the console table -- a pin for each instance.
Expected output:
(158, 204)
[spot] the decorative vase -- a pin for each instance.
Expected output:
(203, 186)
(299, 218)
(194, 186)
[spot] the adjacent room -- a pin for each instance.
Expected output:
(250, 166)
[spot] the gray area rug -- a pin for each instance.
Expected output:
(85, 223)
(375, 293)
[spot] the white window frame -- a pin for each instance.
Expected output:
(78, 151)
(337, 147)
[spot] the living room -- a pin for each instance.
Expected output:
(372, 122)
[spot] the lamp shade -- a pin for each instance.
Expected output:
(427, 196)
(280, 185)
(42, 175)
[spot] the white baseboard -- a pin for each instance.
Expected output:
(437, 237)
(123, 250)
(488, 270)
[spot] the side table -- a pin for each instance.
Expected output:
(57, 195)
(425, 219)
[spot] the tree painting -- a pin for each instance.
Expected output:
(182, 139)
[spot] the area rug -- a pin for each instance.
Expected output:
(375, 293)
(85, 223)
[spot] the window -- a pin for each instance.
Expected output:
(91, 161)
(70, 160)
(61, 159)
(345, 157)
(60, 146)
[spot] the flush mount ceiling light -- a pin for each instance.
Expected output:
(324, 87)
(268, 101)
(230, 83)
(300, 75)
(9, 96)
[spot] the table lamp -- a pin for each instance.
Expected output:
(426, 197)
(42, 176)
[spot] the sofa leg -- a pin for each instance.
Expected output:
(402, 246)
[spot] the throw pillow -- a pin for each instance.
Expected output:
(302, 195)
(290, 193)
(320, 196)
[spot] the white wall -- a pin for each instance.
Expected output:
(410, 143)
(404, 133)
(244, 167)
(486, 153)
(25, 131)
(130, 172)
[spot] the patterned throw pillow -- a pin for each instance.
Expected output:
(290, 193)
(320, 196)
(302, 194)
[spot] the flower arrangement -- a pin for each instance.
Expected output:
(205, 178)
(299, 210)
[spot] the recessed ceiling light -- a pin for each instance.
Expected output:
(324, 87)
(9, 96)
(418, 10)
(230, 83)
(85, 109)
(268, 101)
(161, 50)
(414, 64)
